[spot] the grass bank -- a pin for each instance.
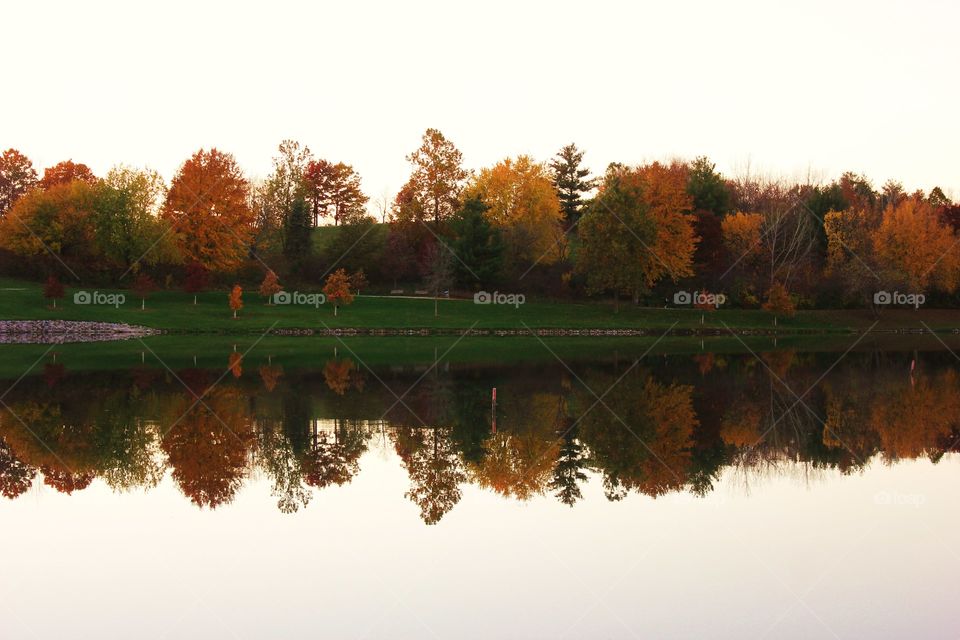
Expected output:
(174, 311)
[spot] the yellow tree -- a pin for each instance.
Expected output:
(915, 248)
(741, 236)
(523, 202)
(208, 208)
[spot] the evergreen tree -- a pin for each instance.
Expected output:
(478, 244)
(298, 244)
(569, 181)
(568, 473)
(708, 188)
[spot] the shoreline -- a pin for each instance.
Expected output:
(64, 331)
(74, 331)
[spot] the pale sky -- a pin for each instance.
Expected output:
(865, 86)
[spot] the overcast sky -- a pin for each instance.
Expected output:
(865, 86)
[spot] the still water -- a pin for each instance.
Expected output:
(338, 489)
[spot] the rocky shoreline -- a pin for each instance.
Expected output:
(63, 331)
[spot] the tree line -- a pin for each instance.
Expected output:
(637, 233)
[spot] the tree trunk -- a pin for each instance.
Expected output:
(194, 299)
(436, 312)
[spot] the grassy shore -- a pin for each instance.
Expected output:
(311, 354)
(174, 311)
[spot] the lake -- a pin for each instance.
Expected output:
(378, 488)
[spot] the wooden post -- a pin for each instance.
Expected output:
(493, 410)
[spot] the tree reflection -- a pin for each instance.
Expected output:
(435, 469)
(673, 424)
(15, 475)
(208, 446)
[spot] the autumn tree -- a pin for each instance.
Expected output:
(53, 290)
(522, 202)
(57, 220)
(337, 289)
(208, 445)
(741, 234)
(915, 248)
(358, 280)
(637, 230)
(143, 286)
(779, 301)
(16, 476)
(209, 210)
(334, 189)
(270, 286)
(569, 178)
(17, 177)
(236, 299)
(196, 280)
(66, 172)
(438, 176)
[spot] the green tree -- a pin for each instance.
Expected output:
(478, 245)
(570, 181)
(298, 244)
(128, 228)
(708, 188)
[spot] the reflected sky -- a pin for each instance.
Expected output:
(799, 555)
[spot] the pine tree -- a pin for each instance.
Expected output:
(478, 244)
(568, 179)
(298, 243)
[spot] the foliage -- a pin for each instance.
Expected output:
(17, 177)
(236, 299)
(337, 289)
(522, 202)
(208, 208)
(437, 177)
(333, 189)
(66, 172)
(477, 244)
(270, 286)
(570, 180)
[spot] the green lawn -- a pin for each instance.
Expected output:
(174, 311)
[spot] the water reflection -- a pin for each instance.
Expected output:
(651, 427)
